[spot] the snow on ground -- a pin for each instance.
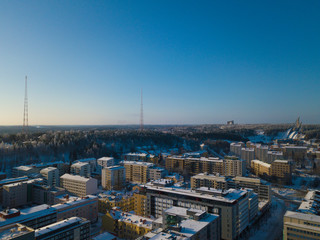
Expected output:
(270, 226)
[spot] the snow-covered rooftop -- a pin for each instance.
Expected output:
(74, 178)
(138, 163)
(56, 226)
(228, 196)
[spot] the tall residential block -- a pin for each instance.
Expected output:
(51, 176)
(105, 162)
(113, 178)
(137, 172)
(234, 166)
(81, 168)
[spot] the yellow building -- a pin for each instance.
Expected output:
(193, 166)
(298, 226)
(281, 169)
(124, 202)
(260, 168)
(113, 177)
(208, 180)
(140, 204)
(126, 225)
(137, 172)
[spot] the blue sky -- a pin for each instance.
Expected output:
(197, 61)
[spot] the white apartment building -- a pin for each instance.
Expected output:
(105, 162)
(79, 186)
(51, 176)
(81, 168)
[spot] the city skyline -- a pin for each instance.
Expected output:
(197, 63)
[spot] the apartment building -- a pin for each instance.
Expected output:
(248, 155)
(92, 162)
(298, 226)
(282, 170)
(105, 162)
(262, 188)
(235, 148)
(231, 205)
(51, 176)
(157, 173)
(125, 202)
(34, 217)
(83, 207)
(274, 155)
(126, 225)
(137, 172)
(79, 186)
(193, 166)
(23, 171)
(260, 168)
(135, 157)
(81, 168)
(209, 180)
(70, 228)
(18, 194)
(113, 178)
(234, 166)
(184, 223)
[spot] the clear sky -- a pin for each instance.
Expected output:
(197, 61)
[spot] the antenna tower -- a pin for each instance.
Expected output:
(141, 112)
(25, 111)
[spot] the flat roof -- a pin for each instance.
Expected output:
(303, 216)
(131, 218)
(57, 225)
(231, 195)
(262, 163)
(74, 178)
(8, 233)
(80, 164)
(105, 159)
(11, 180)
(210, 176)
(210, 159)
(23, 168)
(138, 163)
